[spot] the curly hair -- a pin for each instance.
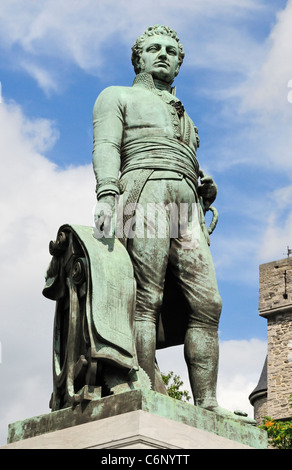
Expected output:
(151, 31)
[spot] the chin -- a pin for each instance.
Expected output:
(163, 75)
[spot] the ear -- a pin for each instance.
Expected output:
(177, 70)
(140, 64)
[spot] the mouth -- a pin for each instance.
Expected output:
(162, 64)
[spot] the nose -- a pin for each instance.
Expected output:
(162, 53)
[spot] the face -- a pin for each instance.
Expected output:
(160, 57)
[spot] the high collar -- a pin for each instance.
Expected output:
(145, 80)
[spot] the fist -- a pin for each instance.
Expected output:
(104, 216)
(207, 190)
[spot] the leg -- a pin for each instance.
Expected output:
(196, 274)
(201, 355)
(193, 267)
(145, 337)
(149, 256)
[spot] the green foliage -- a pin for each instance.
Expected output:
(279, 432)
(173, 383)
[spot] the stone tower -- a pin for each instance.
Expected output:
(271, 396)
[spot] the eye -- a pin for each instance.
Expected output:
(152, 48)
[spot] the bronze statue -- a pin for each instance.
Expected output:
(144, 133)
(143, 278)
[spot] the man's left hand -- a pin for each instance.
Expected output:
(208, 191)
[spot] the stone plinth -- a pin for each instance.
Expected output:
(133, 430)
(134, 420)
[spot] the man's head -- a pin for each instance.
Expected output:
(158, 52)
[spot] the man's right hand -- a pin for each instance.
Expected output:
(104, 216)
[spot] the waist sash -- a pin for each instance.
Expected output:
(160, 154)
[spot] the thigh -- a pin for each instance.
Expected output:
(193, 268)
(149, 250)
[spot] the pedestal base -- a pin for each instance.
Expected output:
(134, 420)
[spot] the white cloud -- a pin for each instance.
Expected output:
(43, 78)
(265, 102)
(261, 104)
(277, 237)
(252, 109)
(81, 32)
(36, 197)
(240, 366)
(267, 88)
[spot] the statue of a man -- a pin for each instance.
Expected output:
(144, 150)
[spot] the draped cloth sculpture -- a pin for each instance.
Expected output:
(93, 286)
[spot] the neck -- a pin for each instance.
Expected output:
(146, 80)
(161, 85)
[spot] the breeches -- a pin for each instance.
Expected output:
(174, 238)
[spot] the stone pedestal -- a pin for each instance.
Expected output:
(134, 420)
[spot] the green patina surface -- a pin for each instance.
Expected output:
(146, 400)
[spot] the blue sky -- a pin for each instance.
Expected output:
(55, 58)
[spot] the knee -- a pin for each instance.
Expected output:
(214, 308)
(207, 313)
(148, 306)
(217, 304)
